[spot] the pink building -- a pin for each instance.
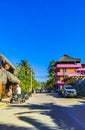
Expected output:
(66, 66)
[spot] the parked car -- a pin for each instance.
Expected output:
(52, 91)
(68, 91)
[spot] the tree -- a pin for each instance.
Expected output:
(24, 74)
(51, 68)
(51, 81)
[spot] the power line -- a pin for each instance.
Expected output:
(41, 76)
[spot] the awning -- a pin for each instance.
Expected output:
(72, 79)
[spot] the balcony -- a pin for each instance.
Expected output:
(69, 74)
(69, 65)
(62, 74)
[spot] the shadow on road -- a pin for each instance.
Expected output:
(61, 116)
(11, 127)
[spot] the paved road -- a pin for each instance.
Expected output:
(44, 112)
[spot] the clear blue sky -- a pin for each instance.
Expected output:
(42, 30)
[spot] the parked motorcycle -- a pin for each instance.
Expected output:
(15, 98)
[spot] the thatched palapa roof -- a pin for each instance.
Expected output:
(7, 76)
(7, 71)
(3, 76)
(12, 78)
(5, 60)
(66, 59)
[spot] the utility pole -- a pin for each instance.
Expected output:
(30, 70)
(31, 81)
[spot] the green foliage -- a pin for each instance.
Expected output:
(34, 84)
(51, 68)
(24, 74)
(51, 81)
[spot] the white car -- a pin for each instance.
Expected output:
(68, 91)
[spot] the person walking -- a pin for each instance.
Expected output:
(18, 90)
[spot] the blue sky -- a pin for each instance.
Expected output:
(42, 30)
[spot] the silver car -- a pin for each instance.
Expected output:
(68, 91)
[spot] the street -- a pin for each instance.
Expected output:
(44, 111)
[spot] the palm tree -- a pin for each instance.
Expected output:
(24, 74)
(51, 81)
(51, 68)
(25, 66)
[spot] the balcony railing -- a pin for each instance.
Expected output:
(69, 65)
(69, 73)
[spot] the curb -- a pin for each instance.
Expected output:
(2, 104)
(82, 97)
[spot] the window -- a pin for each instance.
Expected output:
(64, 70)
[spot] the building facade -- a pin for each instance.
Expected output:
(66, 68)
(7, 75)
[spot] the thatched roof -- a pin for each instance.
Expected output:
(12, 78)
(67, 59)
(5, 60)
(3, 76)
(7, 76)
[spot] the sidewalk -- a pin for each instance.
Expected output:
(3, 102)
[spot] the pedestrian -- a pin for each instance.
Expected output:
(59, 92)
(18, 91)
(9, 94)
